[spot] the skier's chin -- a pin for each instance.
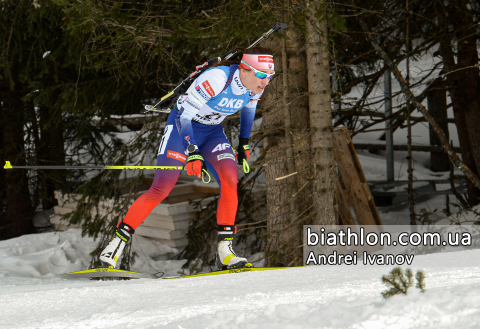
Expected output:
(259, 90)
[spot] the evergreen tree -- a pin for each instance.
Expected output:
(52, 98)
(26, 32)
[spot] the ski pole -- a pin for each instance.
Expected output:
(277, 27)
(8, 165)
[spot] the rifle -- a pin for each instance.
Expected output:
(167, 101)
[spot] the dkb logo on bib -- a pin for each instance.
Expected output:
(229, 103)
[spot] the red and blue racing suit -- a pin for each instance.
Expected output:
(196, 119)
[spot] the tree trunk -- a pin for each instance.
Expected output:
(320, 116)
(3, 183)
(284, 227)
(463, 93)
(437, 104)
(411, 190)
(19, 210)
(50, 152)
(291, 168)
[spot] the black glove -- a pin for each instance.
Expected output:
(243, 151)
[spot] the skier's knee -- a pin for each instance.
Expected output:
(229, 181)
(157, 192)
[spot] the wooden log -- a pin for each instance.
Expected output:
(64, 210)
(363, 179)
(71, 201)
(64, 227)
(353, 178)
(207, 188)
(61, 225)
(178, 243)
(178, 208)
(182, 188)
(168, 224)
(157, 233)
(351, 181)
(186, 197)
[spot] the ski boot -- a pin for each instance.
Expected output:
(114, 250)
(226, 257)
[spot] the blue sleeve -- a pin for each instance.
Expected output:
(184, 127)
(247, 115)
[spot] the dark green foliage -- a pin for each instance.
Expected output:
(31, 81)
(399, 282)
(68, 91)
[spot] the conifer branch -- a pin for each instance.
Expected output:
(399, 282)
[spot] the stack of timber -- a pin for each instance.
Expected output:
(167, 223)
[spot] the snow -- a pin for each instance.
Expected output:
(338, 296)
(48, 254)
(32, 296)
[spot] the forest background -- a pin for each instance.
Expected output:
(71, 71)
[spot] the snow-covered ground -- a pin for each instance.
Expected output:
(32, 296)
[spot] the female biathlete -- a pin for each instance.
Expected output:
(194, 134)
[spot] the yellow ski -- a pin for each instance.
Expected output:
(231, 271)
(114, 273)
(109, 273)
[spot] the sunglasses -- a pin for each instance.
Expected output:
(259, 74)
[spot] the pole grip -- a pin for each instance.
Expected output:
(278, 26)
